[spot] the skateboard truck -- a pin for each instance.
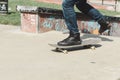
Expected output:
(65, 51)
(62, 50)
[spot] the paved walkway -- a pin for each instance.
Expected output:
(26, 56)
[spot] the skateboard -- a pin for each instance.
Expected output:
(89, 42)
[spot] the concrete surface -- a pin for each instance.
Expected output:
(26, 56)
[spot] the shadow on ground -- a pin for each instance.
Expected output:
(92, 36)
(95, 36)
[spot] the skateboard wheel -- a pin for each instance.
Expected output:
(65, 51)
(57, 49)
(93, 47)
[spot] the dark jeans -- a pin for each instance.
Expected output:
(70, 15)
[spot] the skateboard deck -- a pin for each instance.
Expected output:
(89, 42)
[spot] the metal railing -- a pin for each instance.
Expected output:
(102, 2)
(115, 4)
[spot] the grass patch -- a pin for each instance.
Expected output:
(14, 17)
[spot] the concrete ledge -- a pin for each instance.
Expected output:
(39, 19)
(27, 9)
(34, 9)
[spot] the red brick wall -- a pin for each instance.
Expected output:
(28, 22)
(52, 19)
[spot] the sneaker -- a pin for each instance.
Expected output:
(72, 39)
(104, 27)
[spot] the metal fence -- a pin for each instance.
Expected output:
(115, 3)
(106, 2)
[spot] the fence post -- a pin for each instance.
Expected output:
(102, 2)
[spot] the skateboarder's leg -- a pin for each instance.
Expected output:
(71, 22)
(70, 15)
(89, 10)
